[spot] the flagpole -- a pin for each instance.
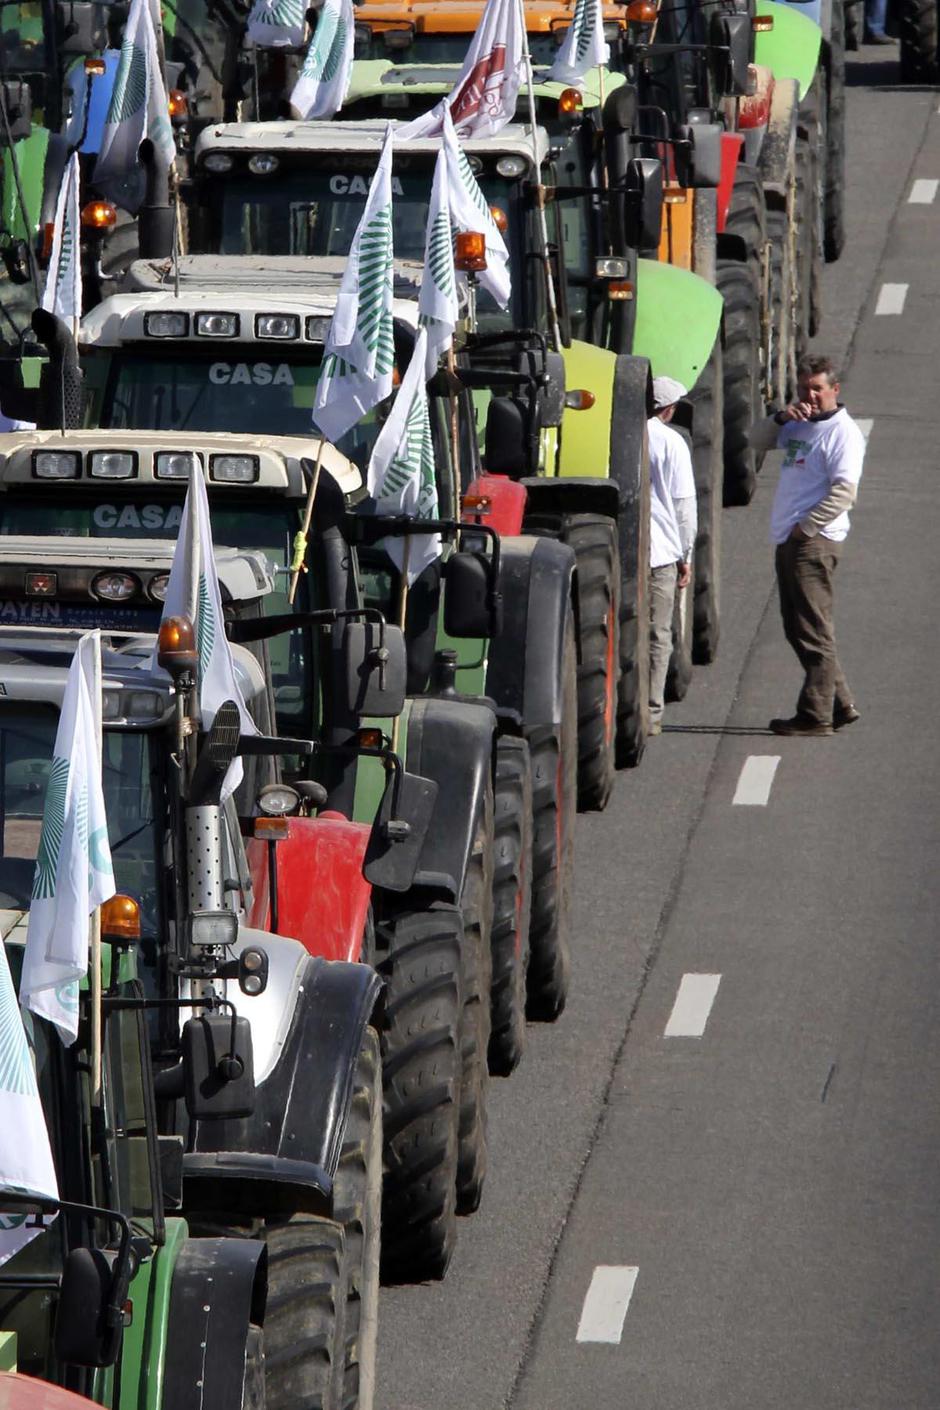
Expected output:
(540, 189)
(300, 539)
(454, 432)
(95, 979)
(402, 617)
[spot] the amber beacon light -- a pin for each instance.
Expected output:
(176, 645)
(470, 252)
(120, 919)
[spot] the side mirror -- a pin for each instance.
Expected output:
(505, 450)
(18, 99)
(644, 204)
(84, 1333)
(218, 1067)
(398, 831)
(472, 602)
(82, 27)
(704, 149)
(376, 668)
(730, 38)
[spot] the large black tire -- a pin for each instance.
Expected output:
(253, 1397)
(679, 675)
(708, 464)
(554, 804)
(810, 189)
(747, 219)
(633, 691)
(512, 902)
(917, 30)
(739, 286)
(476, 905)
(782, 312)
(304, 1338)
(834, 199)
(357, 1205)
(418, 955)
(594, 540)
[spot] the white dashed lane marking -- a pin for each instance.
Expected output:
(923, 192)
(606, 1302)
(754, 784)
(891, 298)
(693, 1005)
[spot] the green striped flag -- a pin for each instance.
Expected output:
(73, 864)
(63, 292)
(276, 24)
(360, 350)
(470, 210)
(321, 88)
(139, 104)
(401, 476)
(583, 47)
(438, 309)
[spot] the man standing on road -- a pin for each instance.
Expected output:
(822, 465)
(673, 525)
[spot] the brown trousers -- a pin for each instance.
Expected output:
(805, 569)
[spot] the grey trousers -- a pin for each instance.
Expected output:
(662, 605)
(805, 569)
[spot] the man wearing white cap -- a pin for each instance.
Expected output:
(673, 525)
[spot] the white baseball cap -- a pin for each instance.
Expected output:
(667, 391)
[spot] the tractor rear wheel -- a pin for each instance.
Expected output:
(304, 1336)
(253, 1383)
(419, 956)
(594, 540)
(708, 464)
(554, 754)
(512, 902)
(917, 29)
(476, 904)
(834, 199)
(739, 286)
(783, 359)
(357, 1205)
(633, 690)
(679, 675)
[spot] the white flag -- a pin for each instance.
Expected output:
(483, 99)
(63, 292)
(277, 24)
(193, 591)
(438, 310)
(25, 1154)
(469, 210)
(139, 105)
(583, 47)
(360, 349)
(401, 468)
(324, 79)
(73, 864)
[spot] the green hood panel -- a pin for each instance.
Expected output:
(370, 78)
(30, 157)
(791, 48)
(678, 316)
(585, 435)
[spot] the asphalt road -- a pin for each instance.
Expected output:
(764, 1194)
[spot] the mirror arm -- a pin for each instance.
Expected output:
(120, 1281)
(270, 745)
(261, 628)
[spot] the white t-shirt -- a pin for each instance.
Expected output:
(671, 478)
(817, 453)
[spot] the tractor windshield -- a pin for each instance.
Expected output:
(27, 734)
(444, 48)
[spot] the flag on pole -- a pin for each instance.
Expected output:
(139, 105)
(73, 864)
(483, 99)
(193, 591)
(401, 468)
(360, 350)
(324, 79)
(438, 309)
(274, 24)
(63, 292)
(469, 210)
(25, 1153)
(584, 46)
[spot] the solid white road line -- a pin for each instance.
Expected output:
(757, 775)
(923, 192)
(606, 1302)
(891, 298)
(864, 424)
(693, 1005)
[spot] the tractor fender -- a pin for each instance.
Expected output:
(791, 48)
(451, 742)
(283, 1157)
(524, 668)
(678, 316)
(779, 145)
(502, 499)
(322, 896)
(218, 1290)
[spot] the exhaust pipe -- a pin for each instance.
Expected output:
(156, 220)
(60, 384)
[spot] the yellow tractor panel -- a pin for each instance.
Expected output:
(676, 244)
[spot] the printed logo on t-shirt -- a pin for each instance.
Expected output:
(796, 454)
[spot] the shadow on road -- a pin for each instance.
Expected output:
(717, 729)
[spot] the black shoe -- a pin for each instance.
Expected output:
(846, 716)
(879, 39)
(801, 724)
